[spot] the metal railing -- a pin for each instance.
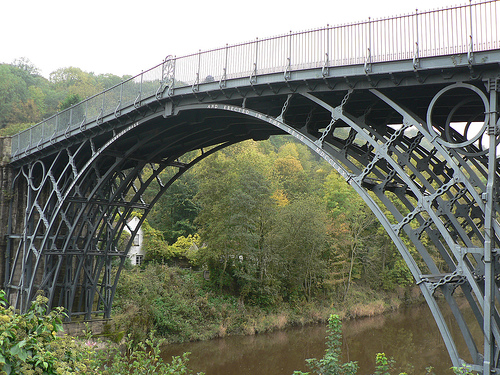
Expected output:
(461, 29)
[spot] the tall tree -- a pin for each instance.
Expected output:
(299, 236)
(355, 227)
(236, 203)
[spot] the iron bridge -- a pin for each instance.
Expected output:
(404, 108)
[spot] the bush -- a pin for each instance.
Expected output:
(330, 364)
(144, 359)
(29, 344)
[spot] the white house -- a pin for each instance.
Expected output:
(136, 253)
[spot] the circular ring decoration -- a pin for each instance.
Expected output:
(446, 132)
(31, 174)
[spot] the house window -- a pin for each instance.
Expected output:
(138, 259)
(136, 240)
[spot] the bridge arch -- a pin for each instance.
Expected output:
(80, 197)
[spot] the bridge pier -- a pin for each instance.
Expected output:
(12, 209)
(5, 198)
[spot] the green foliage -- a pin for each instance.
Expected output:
(29, 345)
(175, 212)
(187, 247)
(154, 245)
(173, 301)
(26, 97)
(17, 101)
(299, 239)
(399, 274)
(144, 358)
(13, 129)
(237, 210)
(69, 101)
(383, 364)
(331, 363)
(462, 370)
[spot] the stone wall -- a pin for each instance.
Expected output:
(5, 197)
(78, 328)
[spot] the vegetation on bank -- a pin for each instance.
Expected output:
(27, 98)
(30, 344)
(180, 305)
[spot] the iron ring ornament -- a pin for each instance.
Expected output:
(445, 136)
(36, 177)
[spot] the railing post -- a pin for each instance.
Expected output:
(137, 101)
(368, 59)
(326, 70)
(289, 58)
(118, 106)
(196, 83)
(172, 83)
(470, 53)
(416, 54)
(253, 75)
(489, 233)
(222, 81)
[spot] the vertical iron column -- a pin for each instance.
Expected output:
(489, 235)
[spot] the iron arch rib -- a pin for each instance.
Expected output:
(422, 191)
(432, 194)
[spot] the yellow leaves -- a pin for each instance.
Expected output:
(280, 197)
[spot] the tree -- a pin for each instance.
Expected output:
(23, 95)
(13, 91)
(69, 101)
(299, 237)
(74, 81)
(355, 226)
(29, 343)
(175, 212)
(26, 65)
(154, 245)
(236, 203)
(290, 175)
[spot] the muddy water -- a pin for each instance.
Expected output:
(408, 335)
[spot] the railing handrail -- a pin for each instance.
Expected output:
(371, 45)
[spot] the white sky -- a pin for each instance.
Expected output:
(126, 37)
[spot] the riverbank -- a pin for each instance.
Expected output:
(178, 306)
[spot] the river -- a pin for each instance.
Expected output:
(409, 335)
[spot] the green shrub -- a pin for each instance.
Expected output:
(29, 343)
(331, 364)
(144, 359)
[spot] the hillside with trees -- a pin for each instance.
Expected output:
(27, 98)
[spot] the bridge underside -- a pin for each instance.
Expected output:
(418, 146)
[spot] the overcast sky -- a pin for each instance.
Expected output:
(126, 37)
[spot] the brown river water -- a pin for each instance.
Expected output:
(409, 335)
